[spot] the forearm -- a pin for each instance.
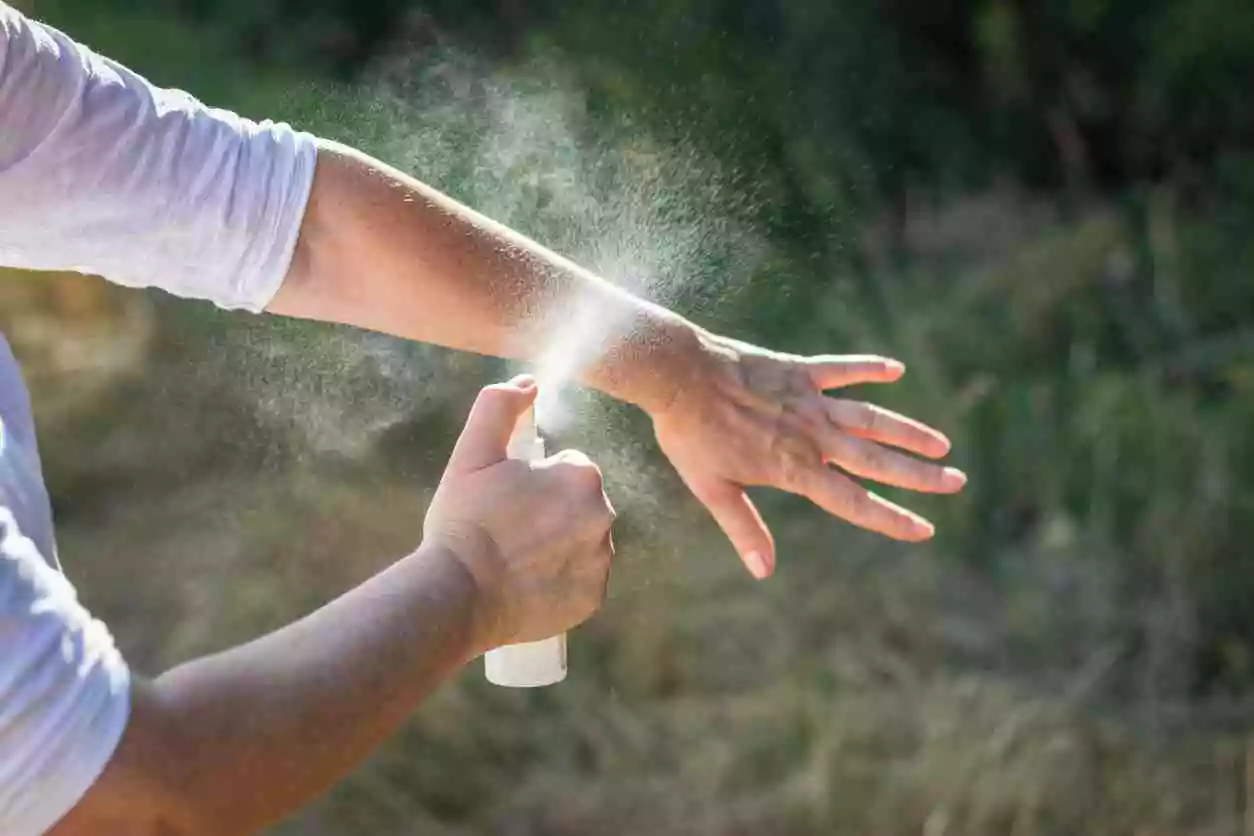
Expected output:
(231, 743)
(385, 252)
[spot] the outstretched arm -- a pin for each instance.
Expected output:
(380, 250)
(102, 172)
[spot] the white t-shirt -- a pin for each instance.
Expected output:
(103, 173)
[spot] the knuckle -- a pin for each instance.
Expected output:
(574, 459)
(842, 494)
(566, 469)
(592, 477)
(585, 487)
(869, 419)
(795, 460)
(930, 474)
(600, 517)
(494, 392)
(873, 458)
(791, 472)
(861, 505)
(582, 473)
(571, 456)
(586, 500)
(858, 417)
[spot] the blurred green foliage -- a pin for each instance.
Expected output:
(1045, 207)
(1109, 355)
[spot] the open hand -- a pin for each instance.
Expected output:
(750, 417)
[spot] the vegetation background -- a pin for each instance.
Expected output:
(1045, 207)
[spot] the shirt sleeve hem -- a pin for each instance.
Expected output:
(89, 769)
(296, 204)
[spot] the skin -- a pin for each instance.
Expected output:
(234, 742)
(382, 251)
(231, 743)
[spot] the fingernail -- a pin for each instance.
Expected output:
(756, 561)
(954, 478)
(896, 367)
(523, 381)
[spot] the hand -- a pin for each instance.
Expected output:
(534, 536)
(750, 417)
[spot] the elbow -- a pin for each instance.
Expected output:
(148, 787)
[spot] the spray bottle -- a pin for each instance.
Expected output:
(529, 664)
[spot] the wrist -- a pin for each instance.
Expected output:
(658, 356)
(451, 574)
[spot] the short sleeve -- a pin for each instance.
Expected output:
(64, 691)
(102, 172)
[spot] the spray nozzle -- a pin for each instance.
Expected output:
(525, 443)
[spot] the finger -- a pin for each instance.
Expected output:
(833, 372)
(576, 466)
(583, 473)
(875, 423)
(736, 515)
(607, 566)
(569, 457)
(841, 496)
(492, 420)
(871, 461)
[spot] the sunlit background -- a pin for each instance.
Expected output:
(1046, 209)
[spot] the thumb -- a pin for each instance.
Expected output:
(736, 514)
(492, 419)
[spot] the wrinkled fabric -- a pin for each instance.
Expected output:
(64, 688)
(103, 173)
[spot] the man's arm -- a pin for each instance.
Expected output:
(232, 743)
(380, 250)
(228, 744)
(102, 172)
